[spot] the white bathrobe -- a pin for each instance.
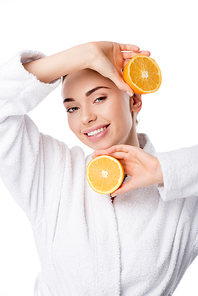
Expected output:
(141, 244)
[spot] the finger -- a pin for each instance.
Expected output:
(125, 62)
(130, 55)
(118, 155)
(120, 148)
(123, 189)
(129, 47)
(119, 82)
(99, 152)
(113, 151)
(145, 52)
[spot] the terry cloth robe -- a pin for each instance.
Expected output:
(141, 244)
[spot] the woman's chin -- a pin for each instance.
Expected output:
(101, 146)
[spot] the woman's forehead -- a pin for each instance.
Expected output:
(84, 80)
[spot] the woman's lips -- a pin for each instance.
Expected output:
(96, 137)
(94, 128)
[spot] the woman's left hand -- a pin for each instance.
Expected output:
(109, 59)
(144, 169)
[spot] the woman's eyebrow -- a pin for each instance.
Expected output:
(68, 100)
(95, 89)
(87, 94)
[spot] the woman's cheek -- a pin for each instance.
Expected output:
(72, 124)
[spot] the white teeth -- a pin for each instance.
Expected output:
(96, 131)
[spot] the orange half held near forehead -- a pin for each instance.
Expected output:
(142, 74)
(105, 174)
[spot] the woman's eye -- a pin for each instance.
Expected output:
(100, 99)
(72, 110)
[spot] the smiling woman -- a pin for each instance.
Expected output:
(88, 244)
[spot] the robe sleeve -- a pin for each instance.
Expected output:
(180, 172)
(27, 157)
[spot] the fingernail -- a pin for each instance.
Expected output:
(130, 94)
(112, 196)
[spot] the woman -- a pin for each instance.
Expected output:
(143, 241)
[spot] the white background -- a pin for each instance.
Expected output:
(167, 28)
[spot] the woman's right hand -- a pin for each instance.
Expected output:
(109, 59)
(144, 168)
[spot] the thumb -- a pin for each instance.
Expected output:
(122, 189)
(119, 82)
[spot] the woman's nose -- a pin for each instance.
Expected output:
(87, 116)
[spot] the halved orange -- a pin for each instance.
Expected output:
(142, 74)
(105, 174)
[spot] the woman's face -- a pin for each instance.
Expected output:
(98, 112)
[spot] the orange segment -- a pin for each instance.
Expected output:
(105, 174)
(142, 74)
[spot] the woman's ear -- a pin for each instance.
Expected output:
(136, 103)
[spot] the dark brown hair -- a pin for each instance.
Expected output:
(63, 78)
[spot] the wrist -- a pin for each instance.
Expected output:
(90, 50)
(159, 174)
(77, 58)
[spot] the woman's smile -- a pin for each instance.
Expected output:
(96, 133)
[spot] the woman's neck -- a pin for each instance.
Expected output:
(132, 137)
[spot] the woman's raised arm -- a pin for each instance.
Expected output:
(107, 58)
